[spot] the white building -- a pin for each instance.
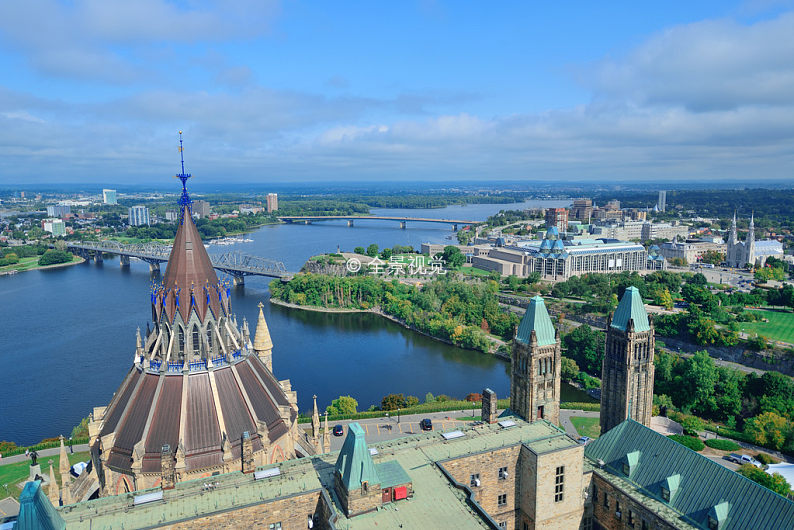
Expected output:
(750, 251)
(58, 210)
(664, 231)
(109, 196)
(56, 227)
(139, 216)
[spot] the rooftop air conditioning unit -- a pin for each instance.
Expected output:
(477, 483)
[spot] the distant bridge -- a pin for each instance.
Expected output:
(402, 220)
(236, 264)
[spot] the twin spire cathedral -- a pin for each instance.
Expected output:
(200, 397)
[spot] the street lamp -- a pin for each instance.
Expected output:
(398, 415)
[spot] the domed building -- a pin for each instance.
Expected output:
(200, 398)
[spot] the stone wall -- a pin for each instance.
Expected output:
(774, 359)
(292, 512)
(632, 514)
(540, 507)
(487, 466)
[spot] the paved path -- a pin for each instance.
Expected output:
(565, 420)
(44, 452)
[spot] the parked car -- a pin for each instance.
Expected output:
(426, 424)
(584, 440)
(743, 459)
(338, 430)
(733, 457)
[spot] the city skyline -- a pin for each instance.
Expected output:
(293, 92)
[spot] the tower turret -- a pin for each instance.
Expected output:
(263, 345)
(628, 371)
(535, 366)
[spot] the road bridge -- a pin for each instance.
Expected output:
(235, 264)
(303, 219)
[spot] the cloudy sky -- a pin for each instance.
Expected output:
(268, 91)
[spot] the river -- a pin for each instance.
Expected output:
(67, 336)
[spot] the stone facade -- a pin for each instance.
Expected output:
(614, 509)
(360, 500)
(291, 512)
(627, 376)
(535, 380)
(488, 468)
(489, 406)
(551, 489)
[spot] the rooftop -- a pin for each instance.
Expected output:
(631, 308)
(698, 486)
(536, 318)
(436, 502)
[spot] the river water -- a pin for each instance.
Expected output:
(67, 336)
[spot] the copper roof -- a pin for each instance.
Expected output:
(142, 412)
(189, 275)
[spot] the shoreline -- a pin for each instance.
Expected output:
(387, 316)
(78, 261)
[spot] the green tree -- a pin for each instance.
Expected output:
(768, 429)
(774, 482)
(453, 257)
(430, 398)
(342, 405)
(393, 402)
(411, 401)
(586, 347)
(52, 257)
(372, 250)
(568, 369)
(698, 382)
(385, 254)
(359, 250)
(665, 299)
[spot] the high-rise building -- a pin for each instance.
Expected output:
(535, 366)
(662, 204)
(139, 215)
(201, 208)
(171, 216)
(56, 227)
(109, 196)
(557, 217)
(627, 374)
(582, 209)
(272, 202)
(58, 210)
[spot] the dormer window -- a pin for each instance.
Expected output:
(717, 515)
(665, 494)
(626, 469)
(630, 462)
(713, 524)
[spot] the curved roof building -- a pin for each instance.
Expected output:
(199, 398)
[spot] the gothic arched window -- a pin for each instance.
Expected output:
(181, 335)
(196, 339)
(209, 334)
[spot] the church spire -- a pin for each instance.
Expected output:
(315, 424)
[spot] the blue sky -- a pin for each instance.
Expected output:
(267, 91)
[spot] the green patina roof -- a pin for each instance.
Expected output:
(631, 308)
(391, 474)
(36, 512)
(355, 463)
(536, 318)
(703, 486)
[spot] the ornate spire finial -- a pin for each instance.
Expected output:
(184, 200)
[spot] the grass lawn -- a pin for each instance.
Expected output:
(470, 418)
(28, 263)
(586, 426)
(473, 271)
(780, 325)
(12, 474)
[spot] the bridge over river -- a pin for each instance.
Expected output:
(236, 264)
(352, 218)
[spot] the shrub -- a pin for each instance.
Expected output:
(722, 445)
(52, 257)
(688, 441)
(766, 459)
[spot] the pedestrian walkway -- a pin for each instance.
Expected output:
(42, 453)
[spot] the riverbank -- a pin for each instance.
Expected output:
(24, 266)
(375, 311)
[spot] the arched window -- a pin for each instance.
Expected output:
(181, 335)
(196, 339)
(209, 334)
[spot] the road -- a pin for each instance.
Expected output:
(44, 452)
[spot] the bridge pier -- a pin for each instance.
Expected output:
(403, 224)
(454, 228)
(124, 261)
(154, 267)
(239, 281)
(349, 222)
(98, 257)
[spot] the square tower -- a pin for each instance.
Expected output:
(535, 366)
(627, 375)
